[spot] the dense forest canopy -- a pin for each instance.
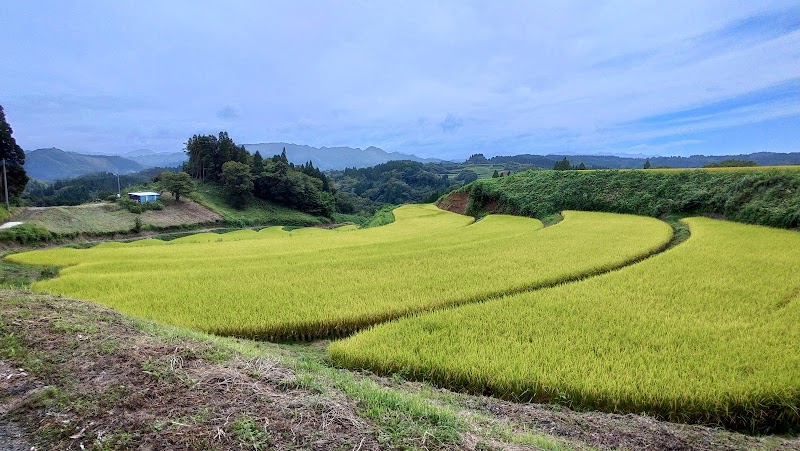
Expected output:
(395, 182)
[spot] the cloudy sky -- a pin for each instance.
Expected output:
(433, 78)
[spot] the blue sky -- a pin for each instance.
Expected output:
(433, 78)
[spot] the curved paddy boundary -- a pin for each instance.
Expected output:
(768, 415)
(321, 330)
(339, 328)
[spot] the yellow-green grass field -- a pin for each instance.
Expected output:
(708, 331)
(314, 282)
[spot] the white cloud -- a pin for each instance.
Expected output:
(508, 74)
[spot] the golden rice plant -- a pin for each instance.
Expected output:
(708, 331)
(309, 283)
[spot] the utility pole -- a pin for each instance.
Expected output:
(5, 184)
(119, 190)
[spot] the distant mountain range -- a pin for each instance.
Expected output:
(615, 162)
(56, 164)
(332, 158)
(53, 164)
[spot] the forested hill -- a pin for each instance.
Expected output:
(615, 162)
(395, 182)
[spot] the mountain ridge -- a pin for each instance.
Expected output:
(333, 158)
(52, 163)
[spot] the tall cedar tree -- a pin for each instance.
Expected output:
(207, 154)
(563, 165)
(258, 164)
(15, 158)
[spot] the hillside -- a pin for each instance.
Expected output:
(103, 218)
(394, 183)
(765, 196)
(332, 158)
(254, 212)
(54, 164)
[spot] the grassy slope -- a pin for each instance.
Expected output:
(77, 376)
(106, 218)
(765, 196)
(257, 211)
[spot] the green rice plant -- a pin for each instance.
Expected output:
(313, 282)
(708, 331)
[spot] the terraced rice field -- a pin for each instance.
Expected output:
(708, 331)
(313, 283)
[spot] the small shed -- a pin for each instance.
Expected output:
(144, 196)
(505, 172)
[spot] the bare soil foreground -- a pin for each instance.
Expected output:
(74, 375)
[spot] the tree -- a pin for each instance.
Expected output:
(563, 165)
(495, 174)
(208, 153)
(14, 158)
(177, 183)
(581, 167)
(647, 164)
(258, 163)
(237, 181)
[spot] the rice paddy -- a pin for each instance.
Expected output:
(708, 331)
(309, 283)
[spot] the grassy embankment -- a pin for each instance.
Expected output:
(764, 196)
(256, 212)
(312, 282)
(104, 218)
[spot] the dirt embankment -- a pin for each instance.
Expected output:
(459, 202)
